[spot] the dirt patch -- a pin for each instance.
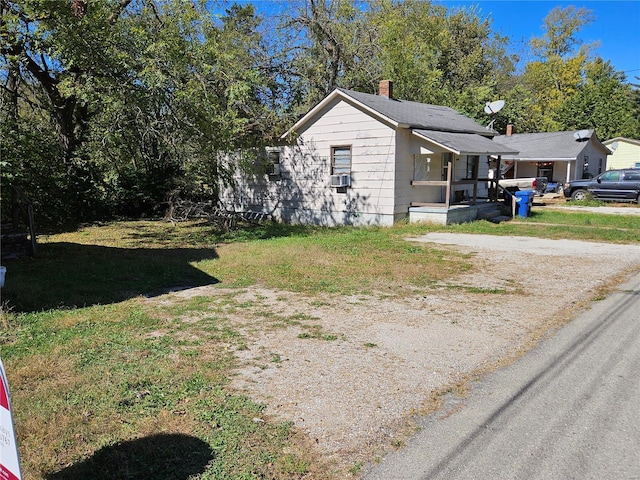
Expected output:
(352, 371)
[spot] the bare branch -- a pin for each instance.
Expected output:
(121, 7)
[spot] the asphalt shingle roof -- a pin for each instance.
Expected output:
(465, 143)
(544, 146)
(419, 115)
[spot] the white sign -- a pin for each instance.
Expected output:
(9, 459)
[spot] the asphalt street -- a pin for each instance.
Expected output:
(569, 409)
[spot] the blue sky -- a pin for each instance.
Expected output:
(616, 27)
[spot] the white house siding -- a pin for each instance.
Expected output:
(405, 193)
(626, 155)
(523, 169)
(303, 194)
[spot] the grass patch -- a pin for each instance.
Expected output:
(343, 260)
(119, 382)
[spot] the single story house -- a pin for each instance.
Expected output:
(363, 159)
(625, 153)
(559, 156)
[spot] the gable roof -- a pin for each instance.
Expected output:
(400, 113)
(548, 146)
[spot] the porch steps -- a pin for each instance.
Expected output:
(496, 214)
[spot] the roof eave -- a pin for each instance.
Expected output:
(598, 142)
(621, 139)
(459, 152)
(441, 145)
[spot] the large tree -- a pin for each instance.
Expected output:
(61, 50)
(556, 71)
(432, 54)
(144, 95)
(604, 102)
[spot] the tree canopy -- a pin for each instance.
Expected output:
(108, 106)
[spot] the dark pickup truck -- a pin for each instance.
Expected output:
(615, 185)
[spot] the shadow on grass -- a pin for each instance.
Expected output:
(70, 275)
(158, 457)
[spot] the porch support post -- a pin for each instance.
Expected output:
(449, 173)
(496, 178)
(475, 182)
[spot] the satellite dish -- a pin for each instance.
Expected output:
(581, 135)
(493, 107)
(613, 147)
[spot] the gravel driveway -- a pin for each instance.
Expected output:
(354, 389)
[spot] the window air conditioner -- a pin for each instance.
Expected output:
(340, 180)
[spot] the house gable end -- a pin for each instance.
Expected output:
(328, 104)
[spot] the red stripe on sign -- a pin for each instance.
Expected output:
(6, 474)
(4, 398)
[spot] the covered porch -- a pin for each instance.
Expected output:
(454, 177)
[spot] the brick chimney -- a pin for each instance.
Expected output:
(509, 130)
(386, 88)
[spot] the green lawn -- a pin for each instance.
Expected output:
(108, 384)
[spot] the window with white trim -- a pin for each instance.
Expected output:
(341, 160)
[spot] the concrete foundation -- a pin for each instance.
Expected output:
(447, 216)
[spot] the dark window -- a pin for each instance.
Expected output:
(272, 164)
(472, 166)
(585, 167)
(631, 176)
(340, 160)
(446, 158)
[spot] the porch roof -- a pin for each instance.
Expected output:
(464, 143)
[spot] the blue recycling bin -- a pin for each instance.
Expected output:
(524, 201)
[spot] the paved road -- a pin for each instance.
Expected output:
(570, 409)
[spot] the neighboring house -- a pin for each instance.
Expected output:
(626, 153)
(362, 159)
(559, 156)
